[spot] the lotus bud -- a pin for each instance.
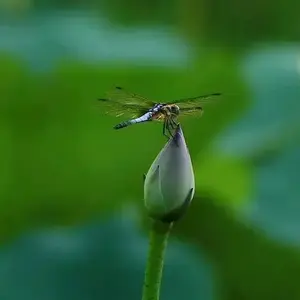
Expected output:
(169, 185)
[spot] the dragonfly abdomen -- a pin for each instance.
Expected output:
(144, 118)
(122, 125)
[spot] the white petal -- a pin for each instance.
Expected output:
(152, 191)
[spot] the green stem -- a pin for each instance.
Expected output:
(157, 244)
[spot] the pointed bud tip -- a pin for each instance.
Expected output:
(177, 137)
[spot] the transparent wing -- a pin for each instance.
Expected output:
(196, 101)
(118, 109)
(121, 102)
(119, 94)
(193, 111)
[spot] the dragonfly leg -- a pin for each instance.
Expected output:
(174, 126)
(169, 127)
(174, 123)
(164, 129)
(171, 123)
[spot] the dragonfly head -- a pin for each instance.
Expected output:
(175, 109)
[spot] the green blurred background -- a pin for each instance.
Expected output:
(71, 212)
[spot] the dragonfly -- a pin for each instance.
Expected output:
(139, 109)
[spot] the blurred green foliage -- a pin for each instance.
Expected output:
(234, 25)
(85, 262)
(247, 263)
(212, 166)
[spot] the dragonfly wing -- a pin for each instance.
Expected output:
(193, 111)
(195, 101)
(120, 102)
(118, 109)
(119, 94)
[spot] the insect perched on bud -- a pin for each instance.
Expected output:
(169, 185)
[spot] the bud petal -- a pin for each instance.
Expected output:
(169, 184)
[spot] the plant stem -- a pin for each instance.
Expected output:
(157, 244)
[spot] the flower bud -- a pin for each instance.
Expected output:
(169, 185)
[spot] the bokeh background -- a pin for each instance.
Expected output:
(72, 223)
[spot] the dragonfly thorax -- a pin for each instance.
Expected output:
(175, 109)
(171, 109)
